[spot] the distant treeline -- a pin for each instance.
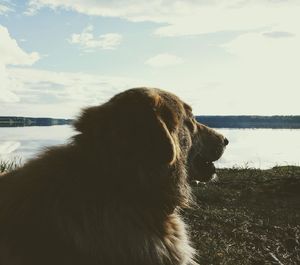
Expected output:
(275, 122)
(11, 121)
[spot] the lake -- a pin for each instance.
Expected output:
(259, 148)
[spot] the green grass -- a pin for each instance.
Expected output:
(249, 216)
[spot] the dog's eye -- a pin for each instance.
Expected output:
(190, 125)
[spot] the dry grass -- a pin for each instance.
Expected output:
(249, 217)
(8, 165)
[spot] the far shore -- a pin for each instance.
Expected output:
(214, 121)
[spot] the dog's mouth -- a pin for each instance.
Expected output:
(202, 169)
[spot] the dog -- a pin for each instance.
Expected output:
(113, 194)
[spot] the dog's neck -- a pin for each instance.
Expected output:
(148, 184)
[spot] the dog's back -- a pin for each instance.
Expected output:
(47, 219)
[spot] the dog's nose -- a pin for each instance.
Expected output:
(226, 142)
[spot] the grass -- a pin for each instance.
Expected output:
(9, 165)
(249, 216)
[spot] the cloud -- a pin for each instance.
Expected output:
(60, 94)
(28, 91)
(164, 60)
(88, 42)
(264, 73)
(278, 34)
(259, 73)
(187, 17)
(11, 54)
(259, 50)
(232, 15)
(5, 7)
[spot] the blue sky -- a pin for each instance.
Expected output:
(221, 56)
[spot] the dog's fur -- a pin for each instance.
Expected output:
(112, 195)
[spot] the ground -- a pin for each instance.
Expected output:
(249, 216)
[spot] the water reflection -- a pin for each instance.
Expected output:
(9, 147)
(26, 142)
(260, 148)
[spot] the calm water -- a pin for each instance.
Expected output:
(260, 148)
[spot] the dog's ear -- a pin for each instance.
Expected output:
(160, 143)
(147, 130)
(91, 119)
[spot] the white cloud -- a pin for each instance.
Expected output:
(60, 94)
(11, 54)
(27, 91)
(231, 15)
(264, 75)
(5, 7)
(88, 42)
(184, 17)
(278, 34)
(164, 60)
(260, 76)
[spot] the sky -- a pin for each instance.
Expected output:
(223, 57)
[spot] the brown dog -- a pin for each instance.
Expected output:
(112, 195)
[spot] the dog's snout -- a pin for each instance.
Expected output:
(226, 142)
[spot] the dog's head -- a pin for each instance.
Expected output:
(151, 127)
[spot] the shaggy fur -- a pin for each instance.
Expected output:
(112, 195)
